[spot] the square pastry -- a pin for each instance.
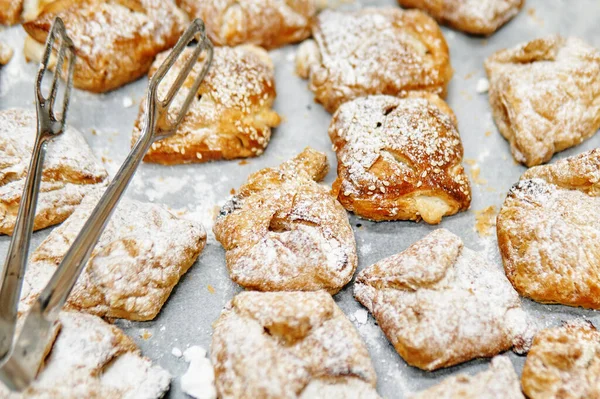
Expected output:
(549, 232)
(139, 259)
(441, 304)
(115, 40)
(289, 345)
(373, 51)
(266, 23)
(232, 116)
(478, 17)
(70, 171)
(545, 96)
(93, 359)
(399, 158)
(283, 231)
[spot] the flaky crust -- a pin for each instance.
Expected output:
(93, 359)
(232, 115)
(545, 96)
(281, 344)
(479, 17)
(399, 159)
(499, 381)
(423, 299)
(373, 51)
(115, 40)
(70, 171)
(139, 259)
(10, 11)
(548, 214)
(285, 232)
(266, 23)
(564, 363)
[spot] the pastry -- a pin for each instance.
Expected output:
(289, 345)
(139, 259)
(545, 96)
(284, 232)
(115, 40)
(33, 8)
(373, 51)
(548, 232)
(266, 23)
(93, 359)
(499, 381)
(564, 363)
(399, 158)
(70, 171)
(478, 17)
(232, 115)
(6, 53)
(10, 11)
(441, 304)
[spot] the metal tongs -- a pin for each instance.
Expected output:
(20, 358)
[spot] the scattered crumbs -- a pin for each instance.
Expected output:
(470, 162)
(105, 159)
(361, 316)
(466, 95)
(534, 17)
(94, 132)
(488, 133)
(146, 335)
(176, 352)
(475, 171)
(485, 219)
(243, 162)
(232, 191)
(199, 380)
(469, 75)
(127, 102)
(483, 85)
(210, 288)
(490, 189)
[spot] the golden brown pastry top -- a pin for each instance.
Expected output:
(564, 363)
(283, 231)
(279, 344)
(373, 51)
(424, 296)
(399, 158)
(93, 359)
(266, 23)
(547, 214)
(545, 96)
(499, 381)
(232, 115)
(115, 40)
(139, 259)
(479, 17)
(10, 11)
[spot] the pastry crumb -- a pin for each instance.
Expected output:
(488, 133)
(146, 335)
(210, 289)
(483, 85)
(485, 219)
(176, 352)
(127, 102)
(199, 380)
(243, 162)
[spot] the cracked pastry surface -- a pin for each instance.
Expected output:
(499, 381)
(266, 23)
(441, 304)
(93, 359)
(139, 259)
(70, 171)
(285, 232)
(10, 11)
(545, 96)
(232, 117)
(373, 51)
(564, 362)
(479, 17)
(399, 158)
(115, 40)
(546, 215)
(289, 345)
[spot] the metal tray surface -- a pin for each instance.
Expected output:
(197, 301)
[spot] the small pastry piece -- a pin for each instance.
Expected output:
(499, 381)
(289, 345)
(139, 259)
(478, 17)
(93, 359)
(373, 51)
(545, 96)
(266, 23)
(230, 118)
(70, 171)
(548, 232)
(115, 40)
(284, 232)
(10, 11)
(6, 53)
(441, 304)
(564, 363)
(399, 159)
(33, 8)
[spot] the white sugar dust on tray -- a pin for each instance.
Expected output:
(199, 380)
